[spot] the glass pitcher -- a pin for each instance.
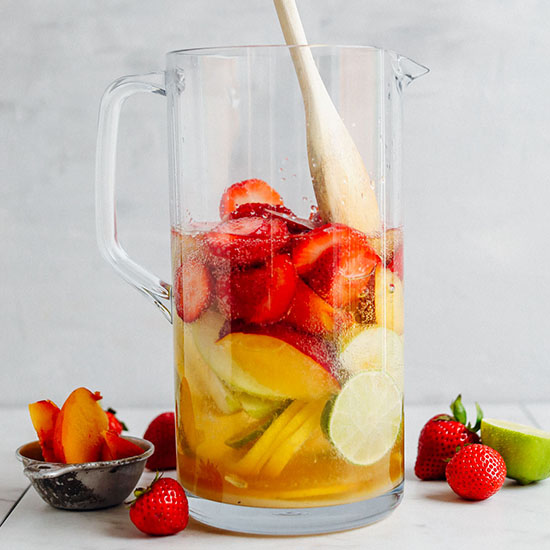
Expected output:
(288, 322)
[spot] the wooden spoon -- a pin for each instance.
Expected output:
(344, 190)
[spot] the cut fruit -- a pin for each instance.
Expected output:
(362, 421)
(292, 444)
(291, 419)
(260, 294)
(264, 210)
(256, 407)
(245, 241)
(310, 313)
(43, 416)
(252, 434)
(78, 427)
(202, 379)
(374, 348)
(116, 447)
(337, 262)
(317, 348)
(396, 265)
(387, 248)
(388, 299)
(281, 368)
(252, 190)
(218, 357)
(341, 275)
(525, 450)
(186, 247)
(185, 418)
(192, 289)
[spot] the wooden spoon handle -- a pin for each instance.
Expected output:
(342, 185)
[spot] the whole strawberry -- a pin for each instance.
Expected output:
(162, 433)
(440, 437)
(476, 472)
(161, 508)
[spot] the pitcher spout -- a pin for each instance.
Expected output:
(407, 70)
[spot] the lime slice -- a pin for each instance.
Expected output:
(525, 450)
(363, 420)
(374, 348)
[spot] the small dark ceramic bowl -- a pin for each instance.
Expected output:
(87, 486)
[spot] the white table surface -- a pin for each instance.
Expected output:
(430, 516)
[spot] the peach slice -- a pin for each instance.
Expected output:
(116, 447)
(43, 416)
(77, 435)
(277, 366)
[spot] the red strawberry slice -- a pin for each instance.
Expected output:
(310, 313)
(253, 190)
(317, 348)
(396, 264)
(192, 289)
(336, 261)
(245, 241)
(321, 239)
(258, 294)
(263, 210)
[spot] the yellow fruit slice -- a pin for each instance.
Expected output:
(252, 462)
(388, 300)
(278, 366)
(291, 445)
(186, 418)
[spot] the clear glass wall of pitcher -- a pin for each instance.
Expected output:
(288, 327)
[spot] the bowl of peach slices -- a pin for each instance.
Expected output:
(81, 461)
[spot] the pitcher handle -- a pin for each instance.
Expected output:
(109, 114)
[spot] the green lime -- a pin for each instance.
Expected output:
(374, 348)
(363, 420)
(525, 450)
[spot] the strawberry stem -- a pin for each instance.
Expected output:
(459, 412)
(479, 418)
(140, 491)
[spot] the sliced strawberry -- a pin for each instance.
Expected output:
(252, 190)
(396, 264)
(258, 294)
(245, 241)
(310, 313)
(321, 239)
(336, 261)
(264, 210)
(341, 275)
(317, 348)
(192, 289)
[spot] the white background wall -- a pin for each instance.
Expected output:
(476, 165)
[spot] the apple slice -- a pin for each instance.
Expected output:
(202, 379)
(43, 416)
